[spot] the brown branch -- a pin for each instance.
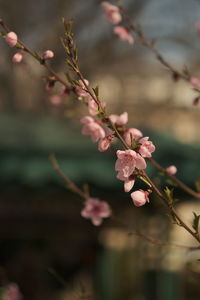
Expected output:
(151, 45)
(70, 184)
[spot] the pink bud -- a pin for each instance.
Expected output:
(55, 100)
(195, 82)
(140, 197)
(48, 54)
(123, 34)
(17, 57)
(105, 143)
(171, 170)
(11, 39)
(112, 12)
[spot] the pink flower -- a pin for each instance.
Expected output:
(112, 13)
(171, 170)
(126, 163)
(146, 148)
(119, 120)
(96, 210)
(92, 128)
(140, 197)
(195, 82)
(134, 133)
(105, 143)
(48, 54)
(80, 90)
(17, 57)
(92, 106)
(128, 184)
(11, 292)
(123, 34)
(11, 39)
(55, 100)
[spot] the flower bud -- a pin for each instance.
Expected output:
(11, 39)
(48, 54)
(17, 57)
(55, 100)
(140, 197)
(171, 170)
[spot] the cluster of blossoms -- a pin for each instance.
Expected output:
(113, 15)
(129, 162)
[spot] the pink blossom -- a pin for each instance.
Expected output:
(96, 210)
(80, 90)
(171, 170)
(112, 13)
(92, 128)
(146, 148)
(48, 54)
(132, 133)
(119, 120)
(128, 184)
(140, 197)
(17, 57)
(105, 143)
(123, 34)
(195, 82)
(11, 292)
(126, 163)
(55, 99)
(11, 39)
(92, 106)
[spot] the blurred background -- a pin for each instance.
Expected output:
(45, 245)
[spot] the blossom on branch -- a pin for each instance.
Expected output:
(96, 210)
(92, 128)
(48, 54)
(112, 12)
(127, 162)
(132, 133)
(17, 57)
(195, 82)
(120, 120)
(171, 170)
(80, 90)
(92, 106)
(11, 39)
(146, 148)
(140, 197)
(105, 143)
(124, 34)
